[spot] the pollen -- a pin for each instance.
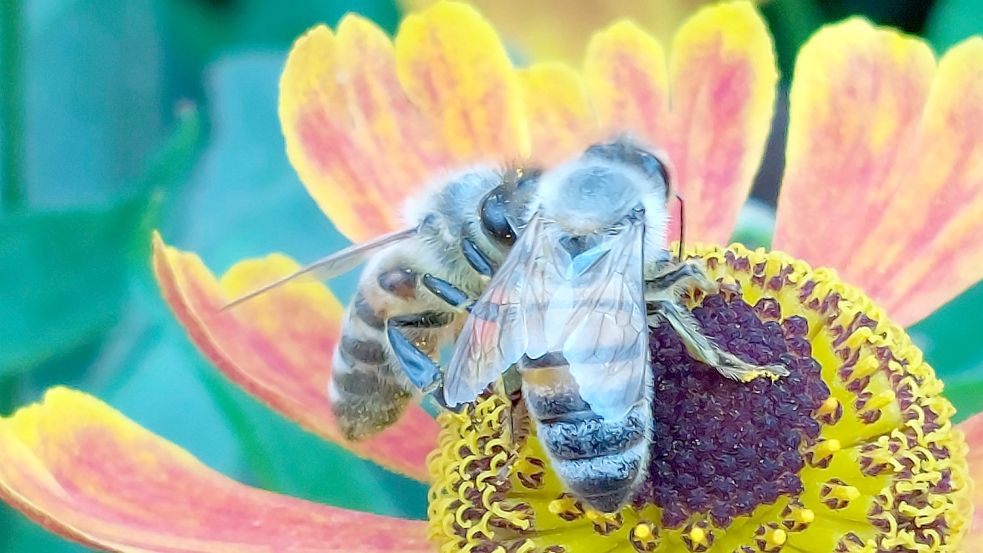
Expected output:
(853, 451)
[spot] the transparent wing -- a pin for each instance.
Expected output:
(598, 315)
(333, 265)
(503, 324)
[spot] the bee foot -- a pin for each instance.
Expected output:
(736, 369)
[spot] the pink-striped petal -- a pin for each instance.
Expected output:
(884, 180)
(279, 346)
(86, 472)
(710, 110)
(722, 75)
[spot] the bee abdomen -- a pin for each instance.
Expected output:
(600, 461)
(573, 438)
(366, 395)
(604, 482)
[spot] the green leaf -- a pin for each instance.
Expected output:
(97, 103)
(71, 267)
(285, 458)
(755, 224)
(951, 343)
(200, 32)
(951, 21)
(65, 278)
(245, 200)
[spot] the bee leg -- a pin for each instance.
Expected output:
(677, 278)
(452, 295)
(418, 367)
(701, 348)
(512, 389)
(478, 260)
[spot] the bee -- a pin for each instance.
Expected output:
(401, 315)
(564, 322)
(569, 268)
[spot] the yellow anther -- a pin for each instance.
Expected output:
(829, 406)
(776, 538)
(698, 536)
(880, 400)
(643, 531)
(826, 448)
(804, 516)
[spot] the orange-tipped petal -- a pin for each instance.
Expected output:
(560, 119)
(625, 71)
(884, 180)
(335, 162)
(973, 429)
(453, 65)
(722, 75)
(86, 472)
(278, 347)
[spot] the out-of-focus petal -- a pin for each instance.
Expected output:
(625, 72)
(278, 347)
(560, 119)
(973, 428)
(454, 67)
(722, 78)
(335, 162)
(884, 180)
(555, 29)
(86, 472)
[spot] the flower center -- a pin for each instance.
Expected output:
(853, 451)
(723, 447)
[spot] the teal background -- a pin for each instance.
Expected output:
(119, 117)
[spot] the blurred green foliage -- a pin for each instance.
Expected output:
(119, 116)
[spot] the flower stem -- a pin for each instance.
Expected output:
(11, 107)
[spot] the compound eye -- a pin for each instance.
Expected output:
(652, 166)
(493, 217)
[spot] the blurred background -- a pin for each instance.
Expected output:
(118, 117)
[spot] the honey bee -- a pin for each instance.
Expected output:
(570, 269)
(401, 315)
(565, 319)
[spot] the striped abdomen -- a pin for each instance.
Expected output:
(600, 461)
(368, 389)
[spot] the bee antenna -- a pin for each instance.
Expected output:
(682, 226)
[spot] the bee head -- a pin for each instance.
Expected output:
(623, 150)
(504, 209)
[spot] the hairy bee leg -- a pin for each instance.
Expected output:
(676, 278)
(704, 350)
(450, 294)
(478, 260)
(512, 388)
(418, 367)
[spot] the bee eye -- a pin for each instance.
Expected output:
(652, 166)
(528, 177)
(493, 217)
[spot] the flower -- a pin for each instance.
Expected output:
(859, 440)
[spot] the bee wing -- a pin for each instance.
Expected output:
(601, 311)
(333, 265)
(503, 324)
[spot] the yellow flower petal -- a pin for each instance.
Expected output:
(883, 179)
(625, 72)
(559, 113)
(279, 347)
(722, 75)
(88, 473)
(710, 111)
(454, 67)
(555, 29)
